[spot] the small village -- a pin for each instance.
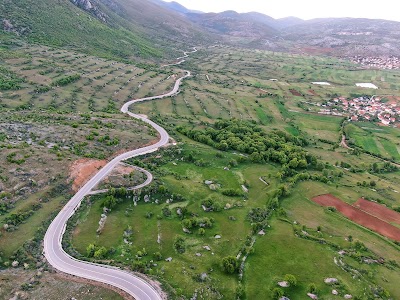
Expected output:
(368, 109)
(381, 62)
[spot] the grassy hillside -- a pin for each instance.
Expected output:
(60, 23)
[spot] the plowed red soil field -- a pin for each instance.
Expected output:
(378, 210)
(360, 217)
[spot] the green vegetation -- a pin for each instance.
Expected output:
(9, 80)
(66, 80)
(229, 212)
(62, 24)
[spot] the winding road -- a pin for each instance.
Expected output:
(62, 261)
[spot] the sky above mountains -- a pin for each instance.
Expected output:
(305, 9)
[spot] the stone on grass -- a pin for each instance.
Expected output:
(207, 248)
(335, 292)
(347, 296)
(331, 280)
(185, 230)
(213, 187)
(169, 259)
(15, 264)
(198, 254)
(208, 182)
(312, 296)
(284, 298)
(203, 276)
(261, 232)
(283, 284)
(217, 236)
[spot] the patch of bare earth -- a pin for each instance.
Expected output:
(378, 210)
(82, 170)
(52, 286)
(360, 217)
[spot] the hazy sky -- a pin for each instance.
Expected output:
(305, 9)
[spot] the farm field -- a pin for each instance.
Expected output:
(375, 139)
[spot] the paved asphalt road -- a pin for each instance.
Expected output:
(62, 261)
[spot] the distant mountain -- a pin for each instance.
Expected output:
(175, 6)
(233, 24)
(347, 36)
(162, 25)
(287, 22)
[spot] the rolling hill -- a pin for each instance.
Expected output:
(118, 29)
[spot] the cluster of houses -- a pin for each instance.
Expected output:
(373, 109)
(384, 62)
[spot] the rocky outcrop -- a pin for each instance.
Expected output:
(91, 7)
(8, 26)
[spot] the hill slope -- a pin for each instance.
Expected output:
(163, 26)
(61, 23)
(348, 36)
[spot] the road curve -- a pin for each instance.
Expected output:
(62, 261)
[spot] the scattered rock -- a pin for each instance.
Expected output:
(284, 298)
(198, 254)
(347, 296)
(169, 259)
(261, 232)
(245, 189)
(227, 206)
(146, 198)
(7, 26)
(26, 266)
(217, 236)
(312, 296)
(226, 169)
(15, 264)
(214, 187)
(203, 276)
(335, 292)
(342, 252)
(283, 284)
(207, 248)
(331, 280)
(185, 230)
(208, 182)
(205, 208)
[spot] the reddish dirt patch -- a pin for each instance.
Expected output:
(295, 93)
(377, 210)
(359, 216)
(312, 92)
(82, 170)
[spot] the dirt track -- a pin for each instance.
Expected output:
(360, 217)
(377, 210)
